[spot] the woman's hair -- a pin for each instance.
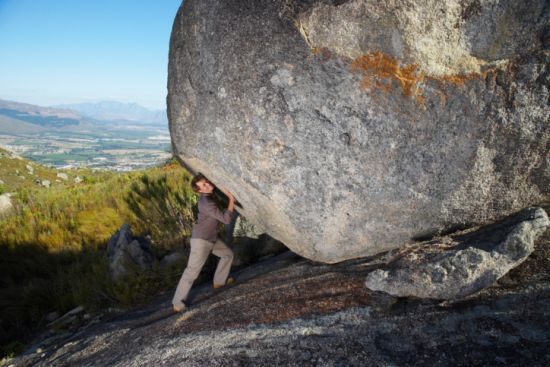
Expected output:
(197, 178)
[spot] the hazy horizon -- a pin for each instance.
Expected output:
(64, 52)
(98, 101)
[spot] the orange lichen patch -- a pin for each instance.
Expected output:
(383, 72)
(460, 79)
(380, 71)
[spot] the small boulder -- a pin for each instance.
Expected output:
(123, 250)
(5, 203)
(172, 258)
(67, 319)
(244, 228)
(63, 176)
(457, 266)
(30, 169)
(77, 179)
(46, 183)
(248, 250)
(249, 242)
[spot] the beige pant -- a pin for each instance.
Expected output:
(200, 249)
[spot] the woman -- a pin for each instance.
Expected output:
(204, 239)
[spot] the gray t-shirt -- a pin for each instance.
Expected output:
(206, 227)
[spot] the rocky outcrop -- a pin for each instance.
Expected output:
(173, 258)
(63, 176)
(123, 251)
(454, 267)
(348, 128)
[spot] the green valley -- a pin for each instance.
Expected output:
(64, 139)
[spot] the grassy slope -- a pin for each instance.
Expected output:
(16, 176)
(52, 244)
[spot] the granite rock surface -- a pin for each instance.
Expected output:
(349, 128)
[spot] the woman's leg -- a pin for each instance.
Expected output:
(200, 249)
(224, 265)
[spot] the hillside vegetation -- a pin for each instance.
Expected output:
(15, 175)
(53, 240)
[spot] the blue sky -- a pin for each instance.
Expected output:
(70, 51)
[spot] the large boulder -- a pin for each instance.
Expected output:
(347, 128)
(454, 267)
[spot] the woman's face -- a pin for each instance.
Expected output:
(205, 187)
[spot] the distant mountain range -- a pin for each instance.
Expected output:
(17, 117)
(117, 111)
(13, 112)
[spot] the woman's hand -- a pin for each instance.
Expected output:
(228, 194)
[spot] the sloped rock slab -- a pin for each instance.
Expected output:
(303, 313)
(454, 267)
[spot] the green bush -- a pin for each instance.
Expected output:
(163, 206)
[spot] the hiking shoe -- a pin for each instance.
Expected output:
(228, 281)
(179, 308)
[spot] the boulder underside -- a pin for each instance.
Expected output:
(348, 128)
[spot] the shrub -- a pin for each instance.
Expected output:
(50, 235)
(163, 206)
(97, 227)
